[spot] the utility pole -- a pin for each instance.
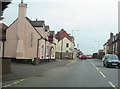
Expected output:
(77, 46)
(21, 1)
(61, 44)
(73, 41)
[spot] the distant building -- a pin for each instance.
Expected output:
(64, 45)
(51, 36)
(106, 48)
(3, 28)
(113, 44)
(27, 39)
(75, 53)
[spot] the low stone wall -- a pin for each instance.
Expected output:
(64, 55)
(6, 66)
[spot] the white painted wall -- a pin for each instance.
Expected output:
(64, 49)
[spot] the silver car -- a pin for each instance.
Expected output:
(111, 60)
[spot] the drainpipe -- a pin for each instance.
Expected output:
(45, 48)
(38, 46)
(3, 48)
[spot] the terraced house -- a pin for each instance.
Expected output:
(27, 39)
(112, 46)
(3, 28)
(65, 45)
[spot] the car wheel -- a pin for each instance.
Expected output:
(106, 66)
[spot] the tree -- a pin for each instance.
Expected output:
(3, 6)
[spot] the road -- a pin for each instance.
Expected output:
(78, 73)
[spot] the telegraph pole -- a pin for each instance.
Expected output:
(61, 44)
(21, 1)
(77, 46)
(73, 41)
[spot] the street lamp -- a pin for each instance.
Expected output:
(73, 41)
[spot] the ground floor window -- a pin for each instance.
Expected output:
(42, 50)
(0, 47)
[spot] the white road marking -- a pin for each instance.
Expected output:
(97, 68)
(93, 64)
(112, 85)
(22, 80)
(102, 74)
(70, 63)
(16, 82)
(7, 85)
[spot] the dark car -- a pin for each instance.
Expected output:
(111, 60)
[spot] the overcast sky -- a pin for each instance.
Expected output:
(94, 19)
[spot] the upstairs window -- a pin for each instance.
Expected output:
(67, 45)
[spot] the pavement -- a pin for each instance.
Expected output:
(77, 73)
(19, 70)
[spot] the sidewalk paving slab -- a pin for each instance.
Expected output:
(19, 71)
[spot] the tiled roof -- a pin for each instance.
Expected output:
(3, 28)
(61, 34)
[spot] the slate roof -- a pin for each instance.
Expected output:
(52, 33)
(37, 23)
(47, 28)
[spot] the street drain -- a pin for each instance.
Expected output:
(37, 75)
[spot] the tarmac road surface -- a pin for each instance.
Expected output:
(80, 73)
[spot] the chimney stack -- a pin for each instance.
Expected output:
(21, 30)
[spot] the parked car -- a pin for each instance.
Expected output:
(89, 57)
(83, 57)
(79, 56)
(111, 60)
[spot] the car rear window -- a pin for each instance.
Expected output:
(113, 57)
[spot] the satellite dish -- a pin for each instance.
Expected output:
(71, 48)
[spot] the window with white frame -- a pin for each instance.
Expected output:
(113, 48)
(47, 51)
(42, 50)
(31, 36)
(0, 46)
(116, 46)
(52, 52)
(67, 45)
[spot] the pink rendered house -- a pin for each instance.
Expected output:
(27, 39)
